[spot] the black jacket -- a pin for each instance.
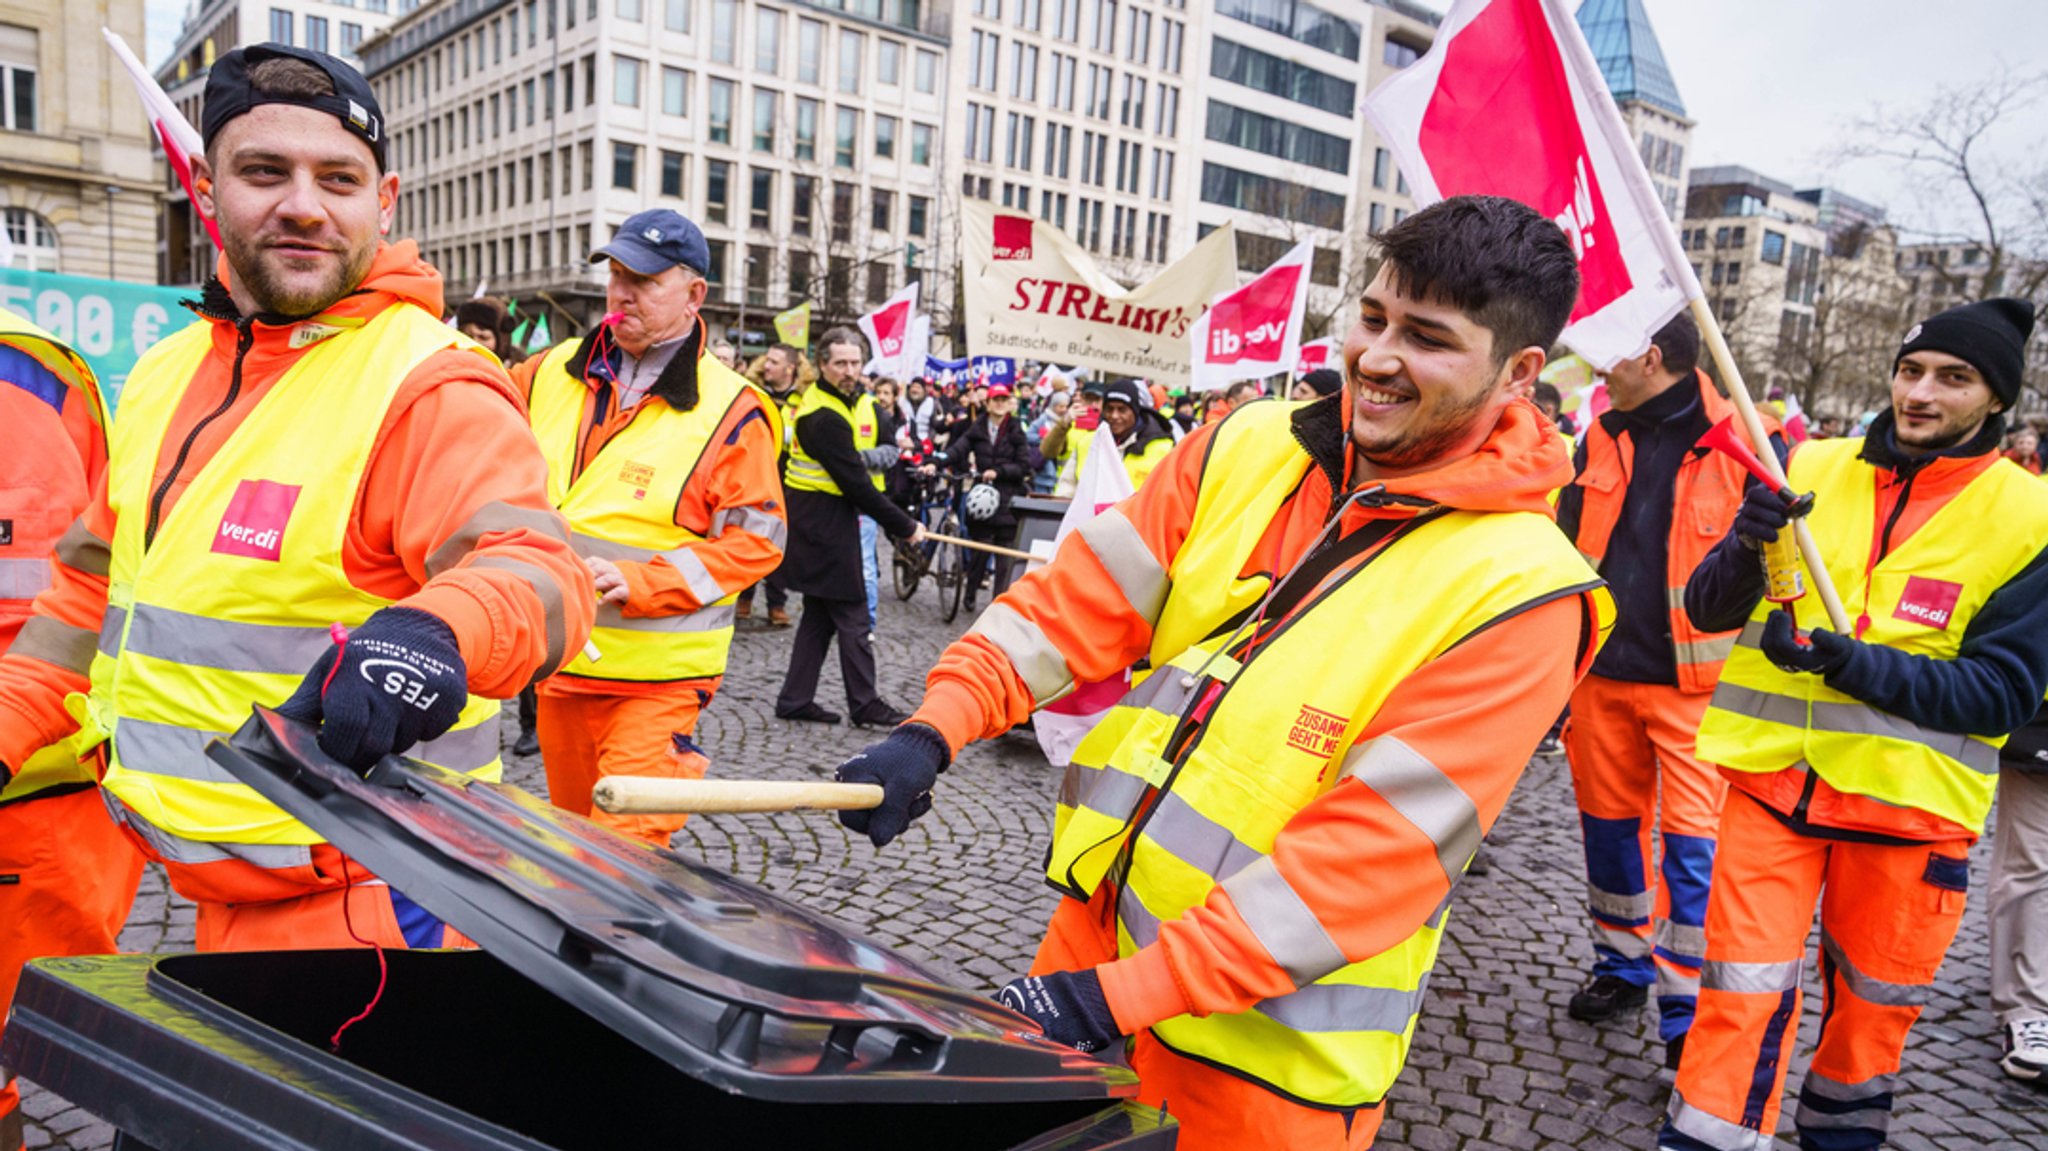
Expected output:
(823, 558)
(1008, 454)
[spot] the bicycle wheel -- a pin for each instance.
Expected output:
(907, 572)
(949, 572)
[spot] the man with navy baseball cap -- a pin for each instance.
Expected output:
(664, 461)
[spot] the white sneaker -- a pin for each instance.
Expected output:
(2026, 1049)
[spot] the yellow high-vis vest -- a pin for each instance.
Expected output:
(1920, 598)
(62, 763)
(230, 605)
(808, 475)
(623, 507)
(1279, 732)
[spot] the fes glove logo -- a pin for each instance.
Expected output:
(254, 522)
(399, 671)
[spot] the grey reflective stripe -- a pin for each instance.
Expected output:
(1871, 989)
(1749, 978)
(1424, 796)
(224, 645)
(1674, 597)
(1704, 650)
(549, 589)
(1876, 1118)
(55, 642)
(1673, 980)
(1166, 691)
(1769, 707)
(24, 579)
(177, 849)
(1621, 941)
(710, 618)
(1344, 1007)
(1074, 783)
(1862, 719)
(1137, 918)
(1592, 561)
(168, 750)
(1283, 923)
(109, 639)
(696, 576)
(1112, 793)
(1751, 635)
(1620, 905)
(607, 550)
(1841, 1092)
(1116, 542)
(1713, 1130)
(495, 516)
(80, 550)
(1682, 939)
(757, 520)
(465, 749)
(1196, 840)
(1039, 664)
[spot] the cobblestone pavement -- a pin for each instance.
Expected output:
(1496, 1062)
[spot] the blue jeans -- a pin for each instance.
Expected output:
(870, 570)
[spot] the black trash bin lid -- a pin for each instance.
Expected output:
(729, 983)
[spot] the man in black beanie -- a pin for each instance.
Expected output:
(1862, 763)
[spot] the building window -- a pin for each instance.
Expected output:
(675, 91)
(625, 165)
(1270, 196)
(625, 81)
(760, 267)
(767, 107)
(921, 145)
(721, 111)
(852, 45)
(674, 173)
(34, 240)
(627, 10)
(920, 215)
(767, 40)
(806, 129)
(885, 137)
(1286, 140)
(889, 63)
(351, 36)
(675, 15)
(18, 91)
(316, 33)
(280, 26)
(1271, 74)
(802, 208)
(878, 283)
(800, 276)
(715, 275)
(810, 50)
(724, 31)
(842, 212)
(717, 191)
(761, 201)
(1774, 247)
(927, 71)
(881, 210)
(1395, 54)
(1017, 145)
(846, 149)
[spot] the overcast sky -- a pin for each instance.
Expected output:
(1772, 84)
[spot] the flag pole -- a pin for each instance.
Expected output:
(1809, 550)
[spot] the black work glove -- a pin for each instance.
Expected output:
(1067, 1005)
(1824, 653)
(1762, 515)
(906, 765)
(398, 680)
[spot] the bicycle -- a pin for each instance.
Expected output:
(939, 510)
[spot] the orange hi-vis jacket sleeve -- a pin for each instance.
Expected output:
(480, 547)
(1368, 875)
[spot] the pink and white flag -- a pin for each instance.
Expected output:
(1316, 354)
(1509, 102)
(1063, 723)
(1255, 330)
(891, 332)
(180, 139)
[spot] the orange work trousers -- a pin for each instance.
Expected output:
(584, 738)
(1630, 746)
(1887, 916)
(67, 881)
(1218, 1111)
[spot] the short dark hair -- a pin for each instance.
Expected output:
(295, 79)
(788, 351)
(1545, 392)
(1679, 340)
(840, 335)
(1495, 259)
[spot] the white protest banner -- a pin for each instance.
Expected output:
(1033, 293)
(1063, 723)
(891, 332)
(1253, 331)
(1509, 102)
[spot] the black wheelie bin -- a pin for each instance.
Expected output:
(622, 998)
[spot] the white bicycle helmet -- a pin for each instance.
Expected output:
(983, 501)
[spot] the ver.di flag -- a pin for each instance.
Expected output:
(1063, 723)
(1315, 354)
(890, 334)
(1253, 331)
(180, 139)
(1509, 102)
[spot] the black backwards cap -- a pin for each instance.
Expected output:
(230, 94)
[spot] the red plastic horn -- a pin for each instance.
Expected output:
(1724, 438)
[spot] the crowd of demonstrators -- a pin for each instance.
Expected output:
(783, 372)
(995, 456)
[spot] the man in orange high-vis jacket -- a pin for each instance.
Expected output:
(1647, 504)
(664, 462)
(67, 874)
(1260, 841)
(304, 456)
(1861, 764)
